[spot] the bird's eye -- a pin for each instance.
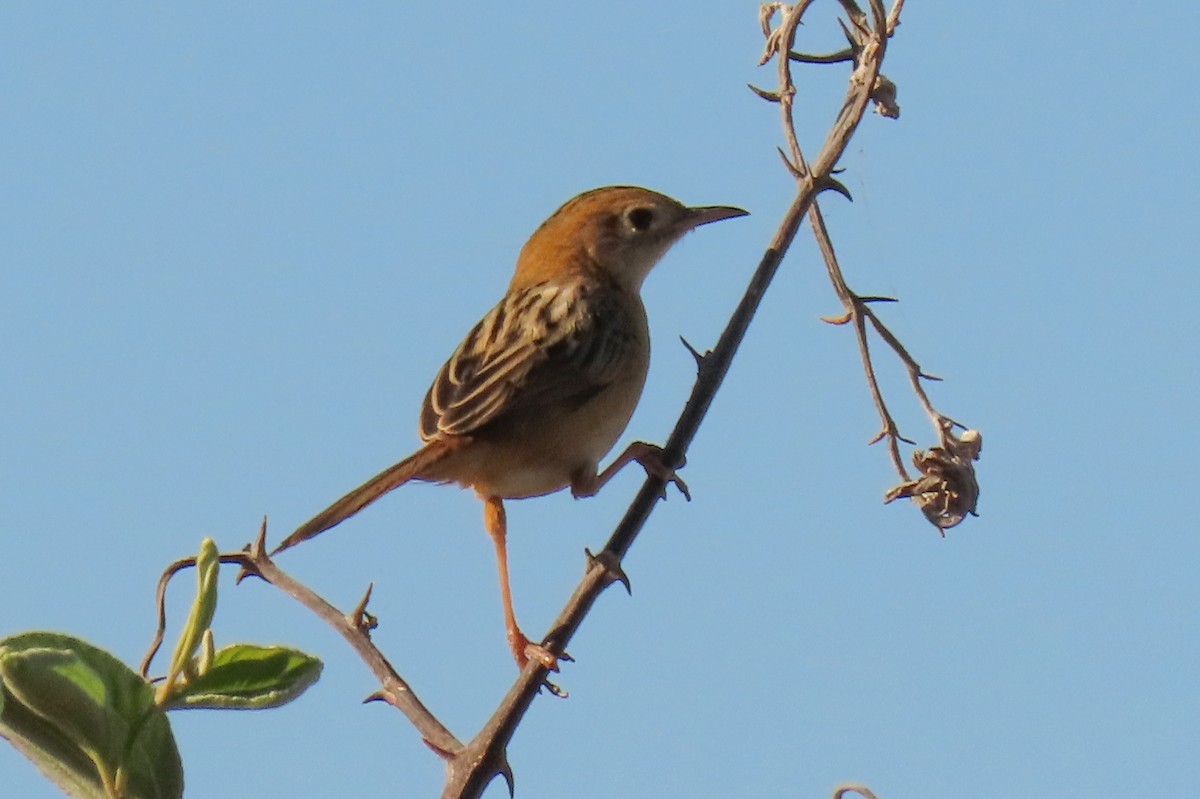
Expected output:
(640, 219)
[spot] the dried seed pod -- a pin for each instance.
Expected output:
(947, 491)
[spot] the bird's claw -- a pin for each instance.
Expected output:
(655, 467)
(682, 486)
(541, 655)
(678, 481)
(525, 650)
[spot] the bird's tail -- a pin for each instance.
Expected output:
(389, 479)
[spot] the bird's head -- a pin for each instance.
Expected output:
(620, 230)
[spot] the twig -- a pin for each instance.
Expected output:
(354, 627)
(854, 305)
(947, 490)
(160, 600)
(847, 54)
(862, 790)
(889, 430)
(470, 771)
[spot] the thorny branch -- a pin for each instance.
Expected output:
(946, 490)
(471, 767)
(355, 627)
(483, 759)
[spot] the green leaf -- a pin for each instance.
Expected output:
(86, 720)
(249, 677)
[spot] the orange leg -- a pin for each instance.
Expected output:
(649, 456)
(496, 523)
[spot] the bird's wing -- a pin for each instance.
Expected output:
(546, 343)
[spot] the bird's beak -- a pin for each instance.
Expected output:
(712, 213)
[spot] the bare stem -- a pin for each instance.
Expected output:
(354, 627)
(470, 771)
(946, 490)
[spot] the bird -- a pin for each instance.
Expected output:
(542, 388)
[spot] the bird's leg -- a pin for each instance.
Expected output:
(649, 456)
(496, 523)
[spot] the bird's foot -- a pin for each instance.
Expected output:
(650, 456)
(525, 650)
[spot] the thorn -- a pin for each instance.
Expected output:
(567, 657)
(908, 441)
(506, 772)
(254, 552)
(695, 353)
(947, 420)
(362, 605)
(830, 184)
(379, 696)
(770, 97)
(849, 38)
(612, 568)
(792, 168)
(260, 544)
(855, 37)
(934, 378)
(682, 486)
(877, 438)
(877, 299)
(839, 57)
(555, 690)
(359, 618)
(243, 572)
(838, 320)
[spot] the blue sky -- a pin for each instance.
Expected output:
(236, 245)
